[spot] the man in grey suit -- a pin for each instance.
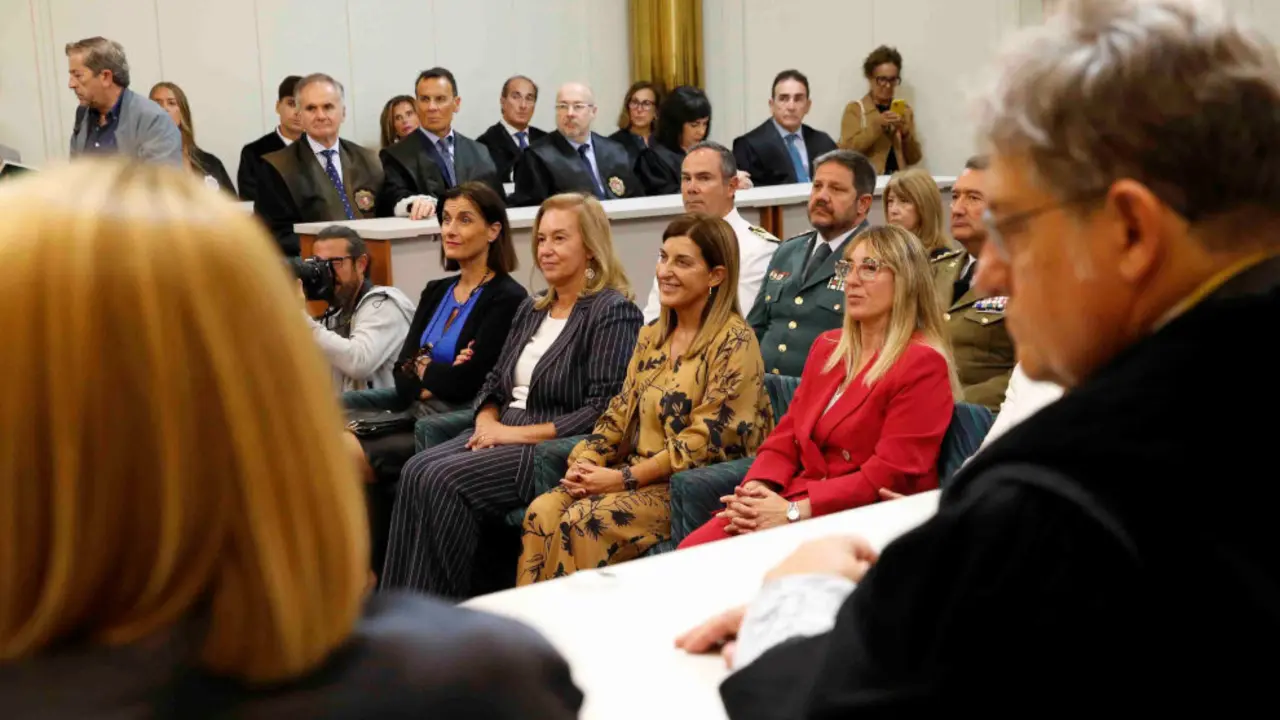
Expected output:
(112, 119)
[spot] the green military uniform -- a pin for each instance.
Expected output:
(980, 343)
(790, 312)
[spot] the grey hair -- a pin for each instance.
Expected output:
(103, 54)
(1174, 94)
(314, 78)
(728, 165)
(864, 173)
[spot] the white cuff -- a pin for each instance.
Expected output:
(402, 207)
(789, 607)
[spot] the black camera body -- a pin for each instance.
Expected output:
(316, 276)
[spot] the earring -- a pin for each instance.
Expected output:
(591, 274)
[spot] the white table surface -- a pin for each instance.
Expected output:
(617, 626)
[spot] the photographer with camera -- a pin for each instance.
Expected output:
(365, 324)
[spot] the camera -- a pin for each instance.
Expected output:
(316, 276)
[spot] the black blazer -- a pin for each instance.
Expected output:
(408, 656)
(1079, 546)
(552, 166)
(503, 149)
(412, 167)
(250, 158)
(583, 369)
(487, 325)
(633, 143)
(213, 167)
(762, 153)
(659, 170)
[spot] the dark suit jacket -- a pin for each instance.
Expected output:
(1083, 558)
(413, 168)
(250, 158)
(659, 170)
(884, 436)
(633, 143)
(762, 153)
(214, 168)
(503, 149)
(408, 656)
(487, 326)
(552, 166)
(293, 188)
(580, 373)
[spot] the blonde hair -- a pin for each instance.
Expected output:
(187, 126)
(170, 445)
(918, 187)
(916, 309)
(718, 244)
(597, 238)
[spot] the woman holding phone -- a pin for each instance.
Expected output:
(879, 125)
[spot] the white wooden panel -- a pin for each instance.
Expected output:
(299, 37)
(21, 112)
(222, 82)
(391, 42)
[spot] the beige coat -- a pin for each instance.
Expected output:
(861, 130)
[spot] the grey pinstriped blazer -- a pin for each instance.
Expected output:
(582, 370)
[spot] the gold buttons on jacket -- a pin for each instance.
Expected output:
(986, 320)
(845, 454)
(768, 298)
(792, 325)
(946, 317)
(836, 308)
(799, 301)
(782, 348)
(775, 371)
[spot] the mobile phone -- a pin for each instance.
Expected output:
(899, 106)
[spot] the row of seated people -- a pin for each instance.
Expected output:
(575, 341)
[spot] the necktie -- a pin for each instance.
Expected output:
(523, 137)
(447, 159)
(332, 171)
(591, 173)
(802, 175)
(819, 257)
(962, 283)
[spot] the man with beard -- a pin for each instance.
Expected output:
(366, 324)
(801, 297)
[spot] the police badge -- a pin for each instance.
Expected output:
(616, 186)
(364, 200)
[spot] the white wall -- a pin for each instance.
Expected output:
(230, 55)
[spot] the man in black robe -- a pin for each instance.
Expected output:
(1115, 551)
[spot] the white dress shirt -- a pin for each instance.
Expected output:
(1023, 398)
(754, 254)
(799, 142)
(317, 148)
(835, 242)
(287, 142)
(512, 131)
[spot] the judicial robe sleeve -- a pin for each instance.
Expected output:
(532, 179)
(1000, 600)
(247, 175)
(277, 209)
(397, 185)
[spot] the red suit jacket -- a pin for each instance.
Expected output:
(884, 436)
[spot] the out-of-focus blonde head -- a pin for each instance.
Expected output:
(170, 445)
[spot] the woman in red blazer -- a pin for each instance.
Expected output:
(874, 400)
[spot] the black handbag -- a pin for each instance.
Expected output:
(366, 424)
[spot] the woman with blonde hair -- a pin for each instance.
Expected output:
(172, 540)
(912, 202)
(694, 395)
(564, 358)
(206, 165)
(874, 401)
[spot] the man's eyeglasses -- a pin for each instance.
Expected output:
(1017, 222)
(886, 81)
(868, 269)
(576, 107)
(334, 262)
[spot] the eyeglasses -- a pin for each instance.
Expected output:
(642, 104)
(886, 81)
(1017, 222)
(868, 269)
(334, 262)
(576, 107)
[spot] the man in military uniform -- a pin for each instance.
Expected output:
(709, 184)
(801, 297)
(980, 343)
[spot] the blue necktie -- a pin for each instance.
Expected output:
(523, 137)
(591, 173)
(447, 159)
(802, 175)
(332, 171)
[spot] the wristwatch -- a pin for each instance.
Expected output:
(793, 512)
(629, 483)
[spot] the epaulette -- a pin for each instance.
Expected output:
(948, 255)
(804, 236)
(763, 234)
